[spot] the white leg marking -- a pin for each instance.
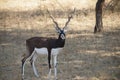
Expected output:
(33, 66)
(49, 74)
(55, 66)
(55, 52)
(51, 60)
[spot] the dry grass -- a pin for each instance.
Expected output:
(86, 56)
(23, 5)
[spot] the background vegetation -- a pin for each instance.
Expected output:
(86, 56)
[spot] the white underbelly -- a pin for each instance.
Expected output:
(41, 51)
(44, 51)
(56, 51)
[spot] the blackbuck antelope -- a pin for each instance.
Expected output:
(49, 46)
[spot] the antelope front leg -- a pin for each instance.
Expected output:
(49, 63)
(49, 74)
(55, 66)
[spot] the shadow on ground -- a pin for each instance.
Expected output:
(86, 56)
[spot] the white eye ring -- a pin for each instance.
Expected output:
(62, 36)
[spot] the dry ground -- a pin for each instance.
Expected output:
(86, 56)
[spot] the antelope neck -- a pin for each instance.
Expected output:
(60, 42)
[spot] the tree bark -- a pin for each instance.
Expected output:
(99, 23)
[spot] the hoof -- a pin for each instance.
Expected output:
(22, 77)
(37, 75)
(56, 78)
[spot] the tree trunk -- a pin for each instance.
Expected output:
(99, 23)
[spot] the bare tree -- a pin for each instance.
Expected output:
(113, 5)
(99, 23)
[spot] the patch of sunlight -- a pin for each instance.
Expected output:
(117, 53)
(91, 51)
(19, 4)
(79, 78)
(88, 51)
(45, 77)
(86, 34)
(118, 67)
(110, 54)
(6, 44)
(16, 5)
(117, 48)
(77, 61)
(94, 78)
